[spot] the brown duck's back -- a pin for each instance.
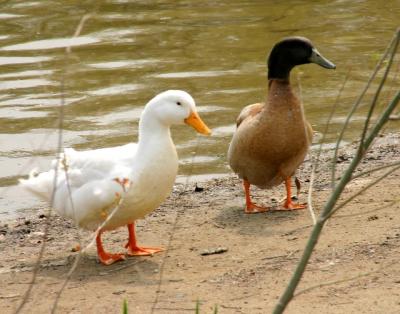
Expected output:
(272, 139)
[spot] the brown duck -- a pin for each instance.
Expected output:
(272, 138)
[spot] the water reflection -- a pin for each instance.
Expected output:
(22, 60)
(114, 90)
(52, 44)
(129, 51)
(197, 74)
(8, 85)
(122, 64)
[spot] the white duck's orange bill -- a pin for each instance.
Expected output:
(195, 121)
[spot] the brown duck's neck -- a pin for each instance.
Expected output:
(281, 93)
(278, 83)
(281, 88)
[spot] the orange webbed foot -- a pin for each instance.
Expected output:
(142, 250)
(251, 208)
(108, 258)
(289, 205)
(254, 209)
(104, 257)
(134, 249)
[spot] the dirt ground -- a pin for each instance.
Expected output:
(355, 269)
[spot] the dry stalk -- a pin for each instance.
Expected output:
(374, 170)
(330, 283)
(365, 143)
(358, 102)
(310, 189)
(309, 196)
(56, 168)
(315, 162)
(79, 255)
(367, 212)
(36, 266)
(171, 237)
(364, 189)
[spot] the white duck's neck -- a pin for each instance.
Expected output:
(153, 132)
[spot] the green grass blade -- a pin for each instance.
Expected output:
(125, 307)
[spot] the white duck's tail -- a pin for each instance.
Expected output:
(41, 184)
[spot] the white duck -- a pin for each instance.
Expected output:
(135, 177)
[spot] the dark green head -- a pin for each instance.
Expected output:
(292, 51)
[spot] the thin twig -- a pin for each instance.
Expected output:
(78, 30)
(357, 103)
(328, 122)
(171, 237)
(287, 295)
(331, 114)
(125, 266)
(330, 283)
(79, 255)
(55, 180)
(348, 200)
(316, 231)
(394, 86)
(376, 209)
(299, 87)
(59, 149)
(374, 170)
(374, 101)
(10, 296)
(309, 196)
(315, 162)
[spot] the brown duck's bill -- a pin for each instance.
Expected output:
(319, 59)
(195, 121)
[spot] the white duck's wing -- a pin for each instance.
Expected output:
(97, 160)
(89, 205)
(91, 180)
(84, 166)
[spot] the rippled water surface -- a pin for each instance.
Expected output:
(128, 51)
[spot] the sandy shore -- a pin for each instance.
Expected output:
(356, 261)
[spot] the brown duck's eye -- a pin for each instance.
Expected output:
(179, 103)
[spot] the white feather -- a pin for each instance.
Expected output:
(149, 167)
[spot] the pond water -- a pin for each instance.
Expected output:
(128, 51)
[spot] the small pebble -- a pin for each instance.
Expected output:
(218, 250)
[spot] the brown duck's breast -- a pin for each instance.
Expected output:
(269, 146)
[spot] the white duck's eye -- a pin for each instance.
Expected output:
(179, 103)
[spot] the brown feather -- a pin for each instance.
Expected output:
(272, 139)
(248, 111)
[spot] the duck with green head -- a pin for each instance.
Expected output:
(272, 138)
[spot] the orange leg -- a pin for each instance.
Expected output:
(251, 208)
(289, 205)
(104, 257)
(134, 249)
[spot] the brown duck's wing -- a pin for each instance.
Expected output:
(248, 111)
